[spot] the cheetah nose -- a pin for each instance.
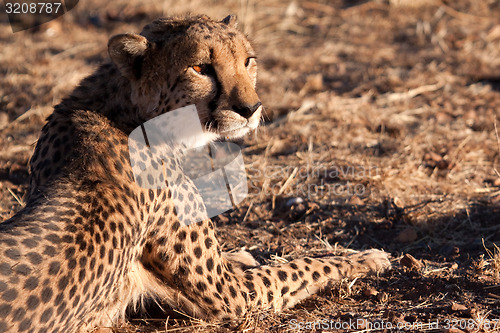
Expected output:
(246, 110)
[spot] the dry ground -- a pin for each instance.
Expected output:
(381, 131)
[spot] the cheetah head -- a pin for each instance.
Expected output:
(175, 63)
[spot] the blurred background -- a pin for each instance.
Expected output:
(380, 131)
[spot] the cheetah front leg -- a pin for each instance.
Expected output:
(280, 287)
(194, 276)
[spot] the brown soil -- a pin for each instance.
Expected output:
(381, 131)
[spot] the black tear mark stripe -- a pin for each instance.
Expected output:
(218, 88)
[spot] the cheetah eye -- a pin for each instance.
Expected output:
(248, 61)
(203, 69)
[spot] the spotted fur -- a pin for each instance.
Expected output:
(91, 241)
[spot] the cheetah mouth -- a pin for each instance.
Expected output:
(232, 128)
(236, 133)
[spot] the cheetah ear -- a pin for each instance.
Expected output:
(231, 21)
(127, 52)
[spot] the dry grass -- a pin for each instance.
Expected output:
(381, 117)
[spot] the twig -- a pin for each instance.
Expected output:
(320, 7)
(498, 146)
(248, 211)
(349, 287)
(324, 242)
(16, 197)
(76, 49)
(464, 16)
(356, 9)
(354, 237)
(492, 287)
(288, 181)
(413, 92)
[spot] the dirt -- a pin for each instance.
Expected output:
(380, 131)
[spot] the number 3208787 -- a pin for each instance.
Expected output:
(32, 7)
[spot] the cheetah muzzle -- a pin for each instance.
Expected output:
(92, 242)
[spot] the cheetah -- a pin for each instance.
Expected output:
(92, 242)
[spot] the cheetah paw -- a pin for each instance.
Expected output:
(241, 258)
(372, 260)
